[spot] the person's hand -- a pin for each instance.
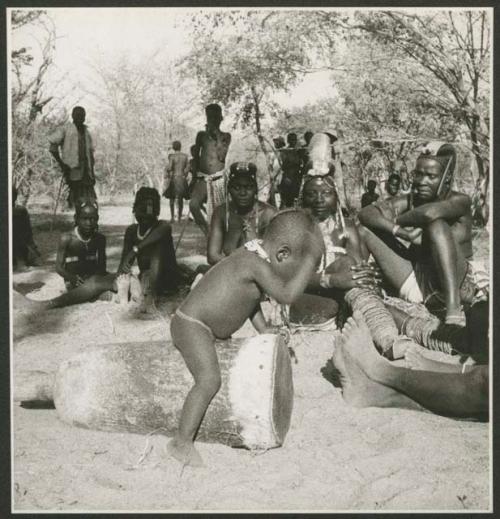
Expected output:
(76, 280)
(126, 266)
(411, 234)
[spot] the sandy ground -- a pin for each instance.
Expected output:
(334, 458)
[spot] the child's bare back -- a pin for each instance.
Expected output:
(228, 293)
(280, 266)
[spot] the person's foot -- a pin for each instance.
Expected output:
(122, 283)
(358, 390)
(416, 360)
(358, 343)
(184, 452)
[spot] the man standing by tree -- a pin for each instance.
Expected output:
(209, 159)
(291, 165)
(77, 161)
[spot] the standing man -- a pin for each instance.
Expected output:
(291, 165)
(369, 196)
(77, 161)
(209, 160)
(175, 179)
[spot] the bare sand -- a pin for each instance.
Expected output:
(335, 457)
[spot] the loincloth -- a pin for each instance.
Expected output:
(216, 190)
(420, 285)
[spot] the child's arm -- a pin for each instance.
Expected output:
(259, 322)
(216, 238)
(284, 292)
(61, 261)
(101, 255)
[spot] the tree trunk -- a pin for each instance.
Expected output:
(141, 387)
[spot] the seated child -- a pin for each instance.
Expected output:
(280, 266)
(81, 261)
(24, 249)
(150, 242)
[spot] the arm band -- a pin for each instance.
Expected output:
(395, 229)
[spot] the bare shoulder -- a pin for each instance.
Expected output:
(100, 238)
(456, 196)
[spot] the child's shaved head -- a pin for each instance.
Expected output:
(295, 228)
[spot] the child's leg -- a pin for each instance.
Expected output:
(89, 290)
(196, 344)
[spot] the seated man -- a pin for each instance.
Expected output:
(243, 218)
(24, 249)
(150, 242)
(422, 241)
(370, 380)
(81, 261)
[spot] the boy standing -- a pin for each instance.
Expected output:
(279, 266)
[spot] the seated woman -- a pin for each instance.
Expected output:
(342, 266)
(24, 249)
(150, 242)
(81, 262)
(243, 218)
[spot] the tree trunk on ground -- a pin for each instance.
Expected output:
(141, 387)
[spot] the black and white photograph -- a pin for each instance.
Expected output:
(250, 259)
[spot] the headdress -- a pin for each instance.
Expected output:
(321, 167)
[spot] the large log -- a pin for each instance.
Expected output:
(141, 387)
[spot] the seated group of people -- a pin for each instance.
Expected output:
(81, 257)
(416, 246)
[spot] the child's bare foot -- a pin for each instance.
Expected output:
(416, 360)
(184, 452)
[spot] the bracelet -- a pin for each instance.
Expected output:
(395, 229)
(135, 249)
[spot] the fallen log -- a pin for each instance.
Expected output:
(141, 387)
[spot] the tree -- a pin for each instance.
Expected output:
(452, 50)
(241, 59)
(29, 160)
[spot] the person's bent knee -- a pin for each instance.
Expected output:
(438, 227)
(210, 384)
